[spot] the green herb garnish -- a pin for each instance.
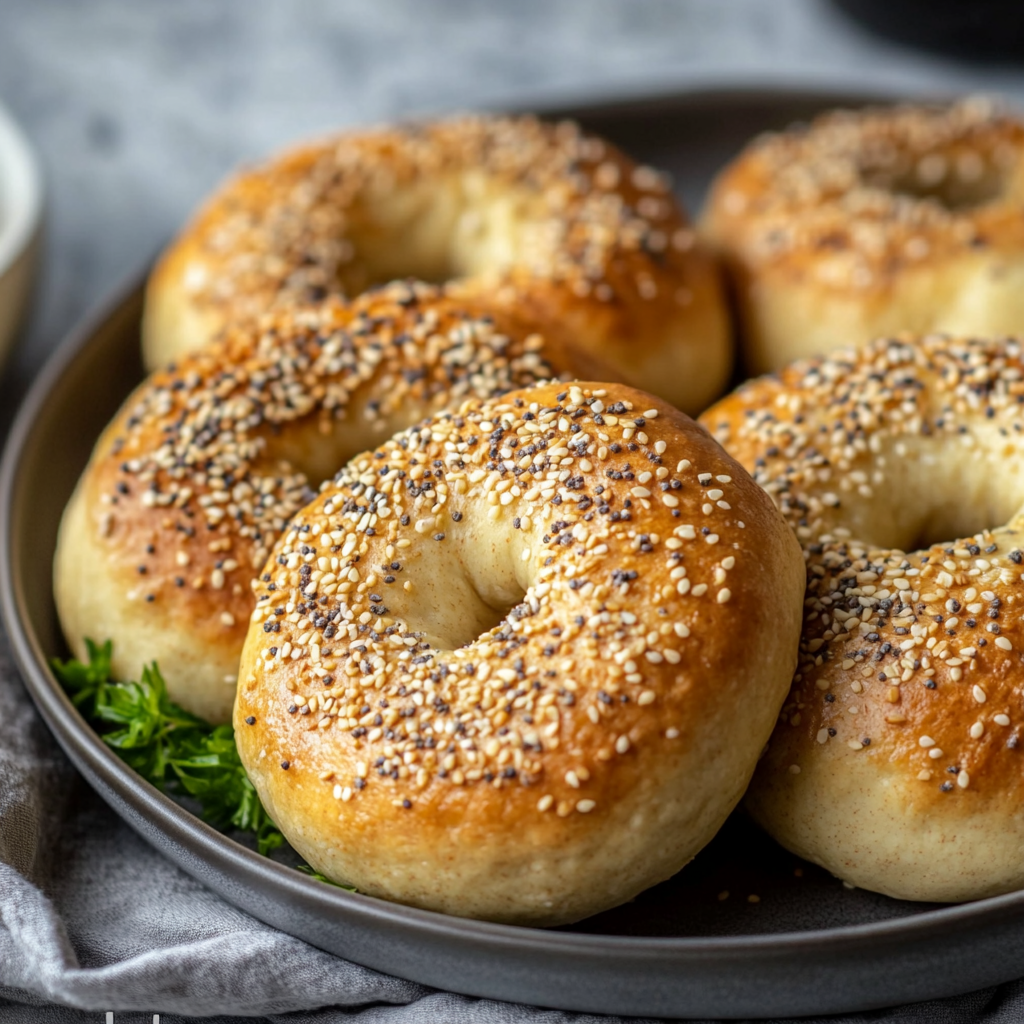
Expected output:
(313, 873)
(169, 747)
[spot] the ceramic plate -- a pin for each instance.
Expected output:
(788, 940)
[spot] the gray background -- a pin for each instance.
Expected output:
(138, 107)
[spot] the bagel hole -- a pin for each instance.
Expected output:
(496, 598)
(374, 269)
(471, 606)
(960, 183)
(434, 235)
(953, 525)
(967, 512)
(496, 618)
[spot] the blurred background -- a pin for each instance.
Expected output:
(138, 108)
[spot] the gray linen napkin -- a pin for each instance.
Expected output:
(92, 919)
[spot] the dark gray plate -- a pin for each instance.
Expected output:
(807, 946)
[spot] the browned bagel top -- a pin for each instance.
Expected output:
(858, 197)
(621, 552)
(299, 225)
(192, 483)
(542, 220)
(504, 652)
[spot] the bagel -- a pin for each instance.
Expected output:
(544, 220)
(189, 487)
(872, 222)
(895, 763)
(518, 662)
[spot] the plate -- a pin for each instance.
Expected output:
(788, 940)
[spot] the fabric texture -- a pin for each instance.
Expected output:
(93, 919)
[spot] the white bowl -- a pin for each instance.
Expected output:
(21, 206)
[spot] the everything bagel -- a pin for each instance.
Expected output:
(518, 662)
(896, 762)
(543, 220)
(189, 488)
(872, 222)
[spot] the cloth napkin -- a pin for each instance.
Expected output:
(93, 920)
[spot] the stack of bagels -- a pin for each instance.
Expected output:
(412, 496)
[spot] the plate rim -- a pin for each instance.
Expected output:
(41, 683)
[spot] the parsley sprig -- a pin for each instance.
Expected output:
(171, 748)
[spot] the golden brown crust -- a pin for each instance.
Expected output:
(518, 662)
(534, 218)
(871, 222)
(191, 485)
(895, 762)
